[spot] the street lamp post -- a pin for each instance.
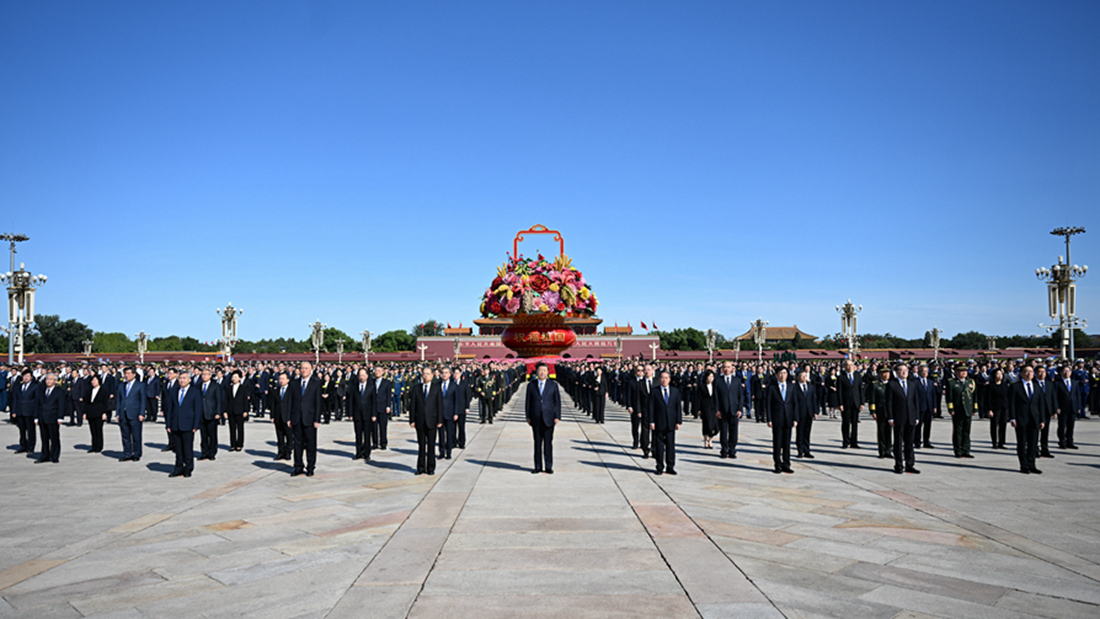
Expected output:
(142, 345)
(87, 347)
(1062, 293)
(759, 336)
(13, 239)
(619, 346)
(737, 350)
(934, 339)
(229, 329)
(992, 340)
(712, 338)
(848, 326)
(21, 288)
(340, 350)
(366, 346)
(317, 339)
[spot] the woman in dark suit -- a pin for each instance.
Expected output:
(341, 389)
(96, 409)
(708, 408)
(996, 407)
(236, 405)
(328, 395)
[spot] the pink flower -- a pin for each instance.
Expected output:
(512, 306)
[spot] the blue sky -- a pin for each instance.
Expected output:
(368, 164)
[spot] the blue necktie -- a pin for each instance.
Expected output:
(444, 389)
(204, 388)
(1029, 391)
(783, 391)
(305, 383)
(666, 396)
(181, 395)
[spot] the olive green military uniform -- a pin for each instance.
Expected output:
(877, 404)
(961, 404)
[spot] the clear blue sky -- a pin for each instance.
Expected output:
(367, 164)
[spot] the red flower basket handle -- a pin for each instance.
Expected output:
(538, 229)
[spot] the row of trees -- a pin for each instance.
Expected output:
(694, 339)
(54, 335)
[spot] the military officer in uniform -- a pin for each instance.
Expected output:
(877, 404)
(961, 405)
(484, 388)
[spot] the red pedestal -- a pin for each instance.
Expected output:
(538, 335)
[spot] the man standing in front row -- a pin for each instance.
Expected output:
(665, 417)
(49, 419)
(305, 418)
(183, 416)
(130, 401)
(782, 417)
(543, 406)
(1029, 413)
(425, 416)
(903, 413)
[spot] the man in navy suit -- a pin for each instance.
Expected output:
(24, 404)
(361, 411)
(543, 413)
(450, 415)
(903, 413)
(851, 400)
(183, 415)
(213, 403)
(305, 418)
(152, 394)
(782, 416)
(130, 402)
(926, 404)
(1065, 394)
(383, 406)
(50, 413)
(426, 416)
(666, 415)
(805, 401)
(463, 396)
(730, 400)
(1028, 412)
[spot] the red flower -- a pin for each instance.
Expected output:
(540, 283)
(560, 307)
(496, 283)
(495, 308)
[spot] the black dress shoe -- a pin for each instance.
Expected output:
(166, 449)
(536, 471)
(549, 471)
(968, 456)
(810, 456)
(659, 472)
(1046, 454)
(366, 458)
(124, 459)
(309, 473)
(297, 472)
(777, 470)
(1025, 471)
(854, 446)
(21, 451)
(913, 471)
(671, 472)
(899, 470)
(176, 474)
(928, 446)
(135, 459)
(40, 461)
(1036, 472)
(187, 474)
(1071, 446)
(788, 470)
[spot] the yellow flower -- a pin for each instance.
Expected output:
(482, 307)
(585, 293)
(555, 287)
(543, 307)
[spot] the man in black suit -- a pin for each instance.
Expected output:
(167, 388)
(928, 395)
(450, 415)
(152, 394)
(665, 418)
(729, 397)
(50, 414)
(1046, 390)
(903, 412)
(213, 403)
(1065, 394)
(383, 406)
(851, 400)
(543, 407)
(305, 418)
(463, 396)
(183, 414)
(805, 400)
(426, 416)
(24, 405)
(639, 412)
(281, 410)
(599, 394)
(361, 408)
(782, 416)
(1029, 414)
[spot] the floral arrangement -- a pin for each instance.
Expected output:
(538, 286)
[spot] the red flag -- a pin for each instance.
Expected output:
(616, 325)
(460, 325)
(448, 325)
(644, 327)
(655, 327)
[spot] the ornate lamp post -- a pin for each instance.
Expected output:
(619, 346)
(848, 326)
(759, 335)
(992, 340)
(21, 288)
(340, 350)
(13, 239)
(142, 345)
(87, 347)
(317, 339)
(934, 340)
(366, 345)
(229, 329)
(1062, 293)
(458, 347)
(736, 350)
(712, 338)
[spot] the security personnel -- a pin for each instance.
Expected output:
(961, 405)
(484, 388)
(877, 404)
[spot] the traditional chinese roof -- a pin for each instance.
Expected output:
(774, 334)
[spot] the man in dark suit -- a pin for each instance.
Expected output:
(782, 416)
(361, 410)
(183, 414)
(282, 406)
(928, 394)
(543, 407)
(383, 406)
(665, 417)
(643, 390)
(1027, 412)
(463, 396)
(50, 414)
(805, 401)
(130, 403)
(305, 418)
(850, 384)
(24, 405)
(1065, 394)
(78, 388)
(903, 411)
(729, 397)
(236, 405)
(1046, 389)
(426, 416)
(152, 394)
(213, 403)
(599, 394)
(450, 415)
(167, 389)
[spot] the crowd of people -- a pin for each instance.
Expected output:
(902, 400)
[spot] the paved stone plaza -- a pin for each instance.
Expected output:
(842, 537)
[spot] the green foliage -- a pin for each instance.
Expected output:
(112, 343)
(57, 336)
(683, 339)
(350, 344)
(393, 341)
(428, 329)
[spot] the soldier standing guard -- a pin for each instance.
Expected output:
(961, 405)
(484, 389)
(877, 404)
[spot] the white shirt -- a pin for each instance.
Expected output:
(95, 390)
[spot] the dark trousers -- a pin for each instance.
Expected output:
(283, 440)
(960, 433)
(664, 449)
(1066, 421)
(447, 438)
(903, 445)
(781, 445)
(305, 440)
(171, 440)
(1044, 439)
(131, 437)
(885, 436)
(425, 443)
(27, 437)
(544, 445)
(152, 405)
(802, 435)
(236, 431)
(95, 425)
(362, 444)
(460, 431)
(598, 405)
(185, 451)
(51, 441)
(925, 429)
(485, 409)
(77, 414)
(209, 432)
(849, 426)
(1027, 444)
(379, 431)
(728, 426)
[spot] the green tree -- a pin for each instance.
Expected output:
(971, 340)
(53, 335)
(429, 328)
(332, 334)
(393, 341)
(112, 343)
